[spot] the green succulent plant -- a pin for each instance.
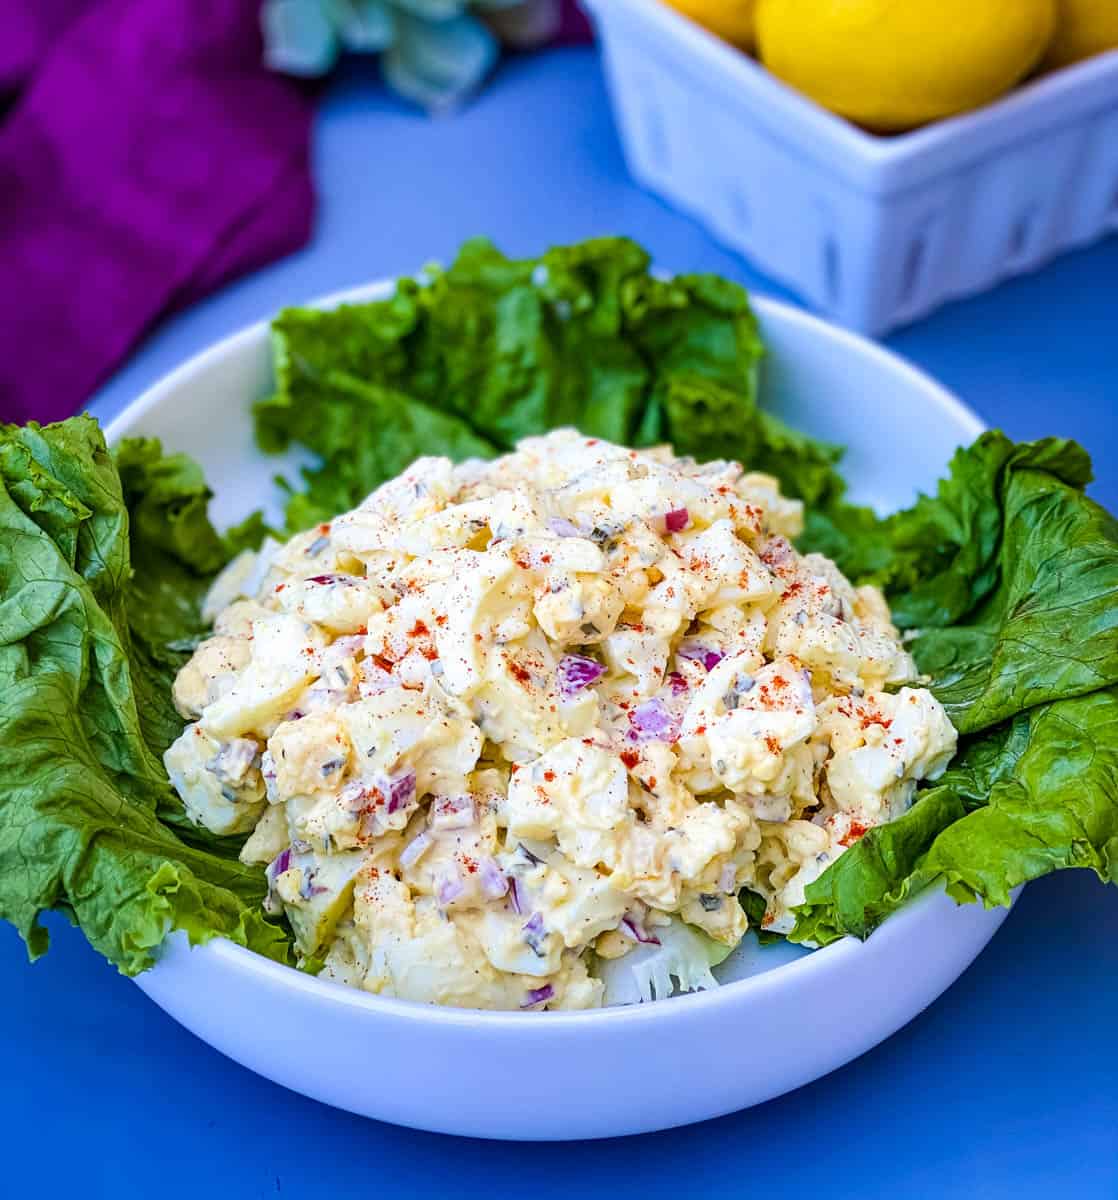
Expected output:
(434, 52)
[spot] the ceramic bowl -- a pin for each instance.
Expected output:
(783, 1016)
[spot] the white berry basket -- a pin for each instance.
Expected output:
(874, 231)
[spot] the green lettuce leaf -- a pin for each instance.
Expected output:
(1046, 623)
(1026, 566)
(494, 349)
(86, 614)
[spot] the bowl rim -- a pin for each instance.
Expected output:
(273, 973)
(955, 409)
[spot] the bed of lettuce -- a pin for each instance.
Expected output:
(1007, 578)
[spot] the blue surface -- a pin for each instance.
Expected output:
(1006, 1086)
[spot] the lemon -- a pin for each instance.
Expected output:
(894, 64)
(728, 19)
(1083, 28)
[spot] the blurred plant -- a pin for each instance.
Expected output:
(433, 52)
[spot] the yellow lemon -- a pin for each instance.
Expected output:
(1083, 28)
(728, 19)
(894, 64)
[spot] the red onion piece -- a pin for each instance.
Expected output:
(777, 552)
(494, 883)
(514, 895)
(677, 520)
(677, 683)
(353, 796)
(453, 812)
(308, 888)
(279, 864)
(449, 888)
(538, 995)
(534, 933)
(727, 881)
(631, 927)
(415, 849)
(651, 722)
(576, 672)
(699, 653)
(561, 527)
(400, 791)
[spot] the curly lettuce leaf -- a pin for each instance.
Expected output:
(495, 349)
(84, 668)
(1026, 566)
(1046, 627)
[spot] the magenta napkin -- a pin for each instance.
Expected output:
(148, 158)
(573, 25)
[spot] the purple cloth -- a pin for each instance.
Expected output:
(573, 25)
(149, 158)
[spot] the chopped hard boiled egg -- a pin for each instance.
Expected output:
(515, 734)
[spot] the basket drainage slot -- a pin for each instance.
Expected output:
(832, 272)
(1020, 238)
(912, 273)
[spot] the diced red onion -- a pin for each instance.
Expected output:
(698, 653)
(453, 812)
(375, 680)
(234, 758)
(538, 995)
(352, 796)
(400, 791)
(651, 722)
(280, 863)
(677, 683)
(561, 527)
(309, 888)
(777, 552)
(677, 520)
(534, 934)
(415, 849)
(631, 927)
(323, 579)
(449, 888)
(494, 883)
(576, 672)
(727, 881)
(514, 895)
(268, 773)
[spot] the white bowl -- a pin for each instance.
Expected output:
(783, 1018)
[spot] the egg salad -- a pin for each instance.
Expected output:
(521, 734)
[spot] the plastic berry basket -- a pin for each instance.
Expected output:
(873, 231)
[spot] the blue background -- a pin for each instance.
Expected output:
(1006, 1086)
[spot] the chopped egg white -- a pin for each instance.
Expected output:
(515, 734)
